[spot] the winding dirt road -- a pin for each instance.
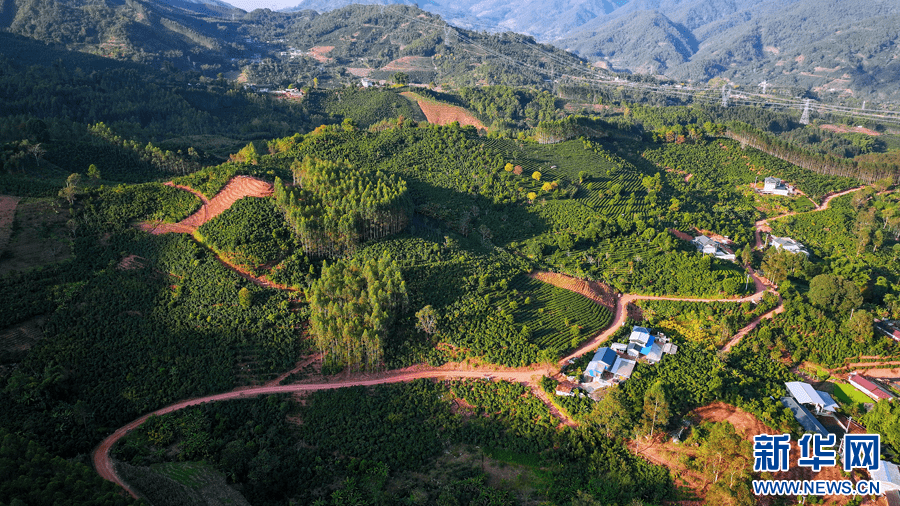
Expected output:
(621, 313)
(763, 225)
(236, 189)
(104, 465)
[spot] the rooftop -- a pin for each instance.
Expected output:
(804, 417)
(886, 472)
(873, 389)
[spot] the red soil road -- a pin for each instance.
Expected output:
(104, 464)
(8, 206)
(299, 367)
(444, 114)
(763, 225)
(623, 301)
(236, 189)
(768, 315)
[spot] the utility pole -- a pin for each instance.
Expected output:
(804, 119)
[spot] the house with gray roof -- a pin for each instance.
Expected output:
(775, 186)
(709, 246)
(787, 244)
(805, 394)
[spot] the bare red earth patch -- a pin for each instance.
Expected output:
(444, 114)
(236, 189)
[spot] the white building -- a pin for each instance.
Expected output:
(888, 475)
(805, 394)
(776, 186)
(708, 246)
(787, 244)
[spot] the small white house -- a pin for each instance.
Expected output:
(775, 186)
(708, 246)
(804, 393)
(787, 244)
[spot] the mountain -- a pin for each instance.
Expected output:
(543, 19)
(831, 47)
(282, 48)
(205, 7)
(179, 33)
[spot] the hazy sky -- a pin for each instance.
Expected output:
(249, 5)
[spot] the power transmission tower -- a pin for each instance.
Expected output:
(764, 85)
(804, 119)
(725, 94)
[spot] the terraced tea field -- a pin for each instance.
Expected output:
(557, 318)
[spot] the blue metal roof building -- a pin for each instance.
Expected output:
(804, 417)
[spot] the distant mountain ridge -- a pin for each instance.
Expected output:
(269, 48)
(833, 47)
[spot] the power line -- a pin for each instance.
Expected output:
(696, 94)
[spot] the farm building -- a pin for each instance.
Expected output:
(566, 389)
(890, 328)
(803, 416)
(640, 335)
(641, 343)
(787, 244)
(603, 360)
(888, 474)
(623, 368)
(805, 394)
(869, 388)
(709, 246)
(775, 186)
(614, 364)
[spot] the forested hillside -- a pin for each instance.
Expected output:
(833, 48)
(277, 48)
(214, 292)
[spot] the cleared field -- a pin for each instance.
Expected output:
(847, 393)
(444, 114)
(409, 64)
